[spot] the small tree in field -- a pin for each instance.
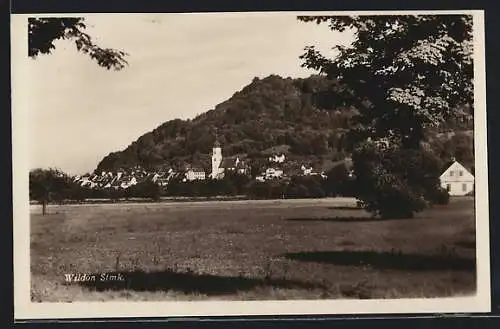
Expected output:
(48, 185)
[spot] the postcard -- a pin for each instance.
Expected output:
(252, 163)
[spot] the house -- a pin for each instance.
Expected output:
(228, 164)
(116, 184)
(129, 182)
(195, 174)
(241, 168)
(235, 165)
(273, 173)
(86, 182)
(155, 177)
(456, 179)
(277, 159)
(162, 181)
(260, 178)
(306, 171)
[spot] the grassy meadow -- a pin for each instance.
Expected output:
(247, 250)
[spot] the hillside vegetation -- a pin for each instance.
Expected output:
(270, 115)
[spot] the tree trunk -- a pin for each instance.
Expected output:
(44, 207)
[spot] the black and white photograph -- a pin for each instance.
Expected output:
(249, 163)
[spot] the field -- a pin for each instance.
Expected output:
(247, 250)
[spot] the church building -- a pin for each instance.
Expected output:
(217, 169)
(222, 166)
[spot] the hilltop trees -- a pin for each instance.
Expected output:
(268, 113)
(43, 32)
(404, 75)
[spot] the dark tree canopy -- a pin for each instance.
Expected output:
(396, 182)
(402, 73)
(42, 32)
(48, 185)
(405, 75)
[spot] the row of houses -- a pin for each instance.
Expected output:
(277, 168)
(455, 178)
(123, 179)
(275, 172)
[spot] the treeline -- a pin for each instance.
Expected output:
(337, 183)
(52, 186)
(458, 145)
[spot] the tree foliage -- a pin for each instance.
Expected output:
(395, 182)
(43, 32)
(405, 75)
(48, 185)
(458, 146)
(338, 182)
(146, 189)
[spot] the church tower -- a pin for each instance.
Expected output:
(216, 159)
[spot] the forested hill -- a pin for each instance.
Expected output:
(270, 112)
(270, 115)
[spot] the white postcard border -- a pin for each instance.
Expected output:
(25, 309)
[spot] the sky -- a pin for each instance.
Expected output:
(180, 65)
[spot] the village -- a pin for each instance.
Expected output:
(456, 179)
(276, 169)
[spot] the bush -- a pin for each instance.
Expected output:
(441, 197)
(146, 189)
(394, 201)
(337, 181)
(395, 183)
(259, 190)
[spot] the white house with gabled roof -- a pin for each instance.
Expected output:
(195, 174)
(457, 180)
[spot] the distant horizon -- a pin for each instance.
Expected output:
(181, 65)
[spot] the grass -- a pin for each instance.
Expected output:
(288, 249)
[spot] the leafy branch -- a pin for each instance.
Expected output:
(43, 32)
